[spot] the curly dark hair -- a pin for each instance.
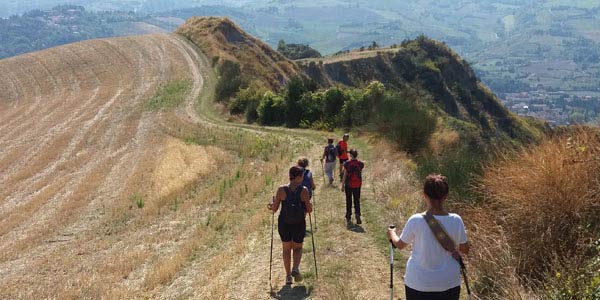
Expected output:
(436, 186)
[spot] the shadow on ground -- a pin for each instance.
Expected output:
(287, 292)
(355, 227)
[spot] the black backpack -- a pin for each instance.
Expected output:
(292, 209)
(338, 149)
(330, 153)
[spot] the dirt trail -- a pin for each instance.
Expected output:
(78, 153)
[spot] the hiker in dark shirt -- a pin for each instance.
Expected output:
(308, 181)
(329, 156)
(295, 203)
(351, 184)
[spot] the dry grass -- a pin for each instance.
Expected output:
(395, 184)
(221, 40)
(546, 195)
(540, 215)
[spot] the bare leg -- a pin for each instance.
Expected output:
(297, 254)
(287, 257)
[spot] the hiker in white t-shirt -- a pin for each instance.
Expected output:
(432, 272)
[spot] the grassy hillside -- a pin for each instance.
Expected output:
(222, 41)
(428, 70)
(437, 73)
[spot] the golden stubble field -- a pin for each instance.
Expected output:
(79, 153)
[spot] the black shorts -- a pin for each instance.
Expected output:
(451, 294)
(291, 232)
(342, 161)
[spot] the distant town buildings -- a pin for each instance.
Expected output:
(556, 107)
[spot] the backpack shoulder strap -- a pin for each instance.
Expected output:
(438, 231)
(446, 242)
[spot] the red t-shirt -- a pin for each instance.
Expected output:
(344, 148)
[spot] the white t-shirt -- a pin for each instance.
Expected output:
(430, 268)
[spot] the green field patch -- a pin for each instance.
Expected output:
(509, 23)
(169, 95)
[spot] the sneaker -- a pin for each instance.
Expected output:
(297, 276)
(288, 279)
(358, 220)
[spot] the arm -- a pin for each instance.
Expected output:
(279, 196)
(312, 184)
(343, 178)
(464, 248)
(305, 197)
(396, 239)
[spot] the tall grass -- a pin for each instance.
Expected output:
(541, 217)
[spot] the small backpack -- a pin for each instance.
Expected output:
(338, 149)
(330, 153)
(307, 180)
(354, 173)
(292, 209)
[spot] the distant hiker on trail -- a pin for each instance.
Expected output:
(432, 270)
(329, 155)
(351, 184)
(295, 203)
(308, 181)
(342, 151)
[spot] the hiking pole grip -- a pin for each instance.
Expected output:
(392, 243)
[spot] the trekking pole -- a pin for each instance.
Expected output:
(312, 235)
(271, 255)
(392, 266)
(323, 169)
(314, 210)
(463, 270)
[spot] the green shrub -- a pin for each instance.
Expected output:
(293, 108)
(405, 121)
(271, 109)
(355, 110)
(230, 80)
(333, 101)
(246, 102)
(311, 104)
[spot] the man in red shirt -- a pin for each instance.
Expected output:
(342, 147)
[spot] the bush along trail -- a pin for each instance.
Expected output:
(233, 260)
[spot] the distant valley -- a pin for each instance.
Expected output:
(514, 46)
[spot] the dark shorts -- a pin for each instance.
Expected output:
(291, 232)
(343, 160)
(451, 294)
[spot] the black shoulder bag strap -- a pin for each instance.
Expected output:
(446, 242)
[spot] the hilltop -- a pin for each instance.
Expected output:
(438, 74)
(222, 40)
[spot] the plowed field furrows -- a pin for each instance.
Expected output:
(77, 149)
